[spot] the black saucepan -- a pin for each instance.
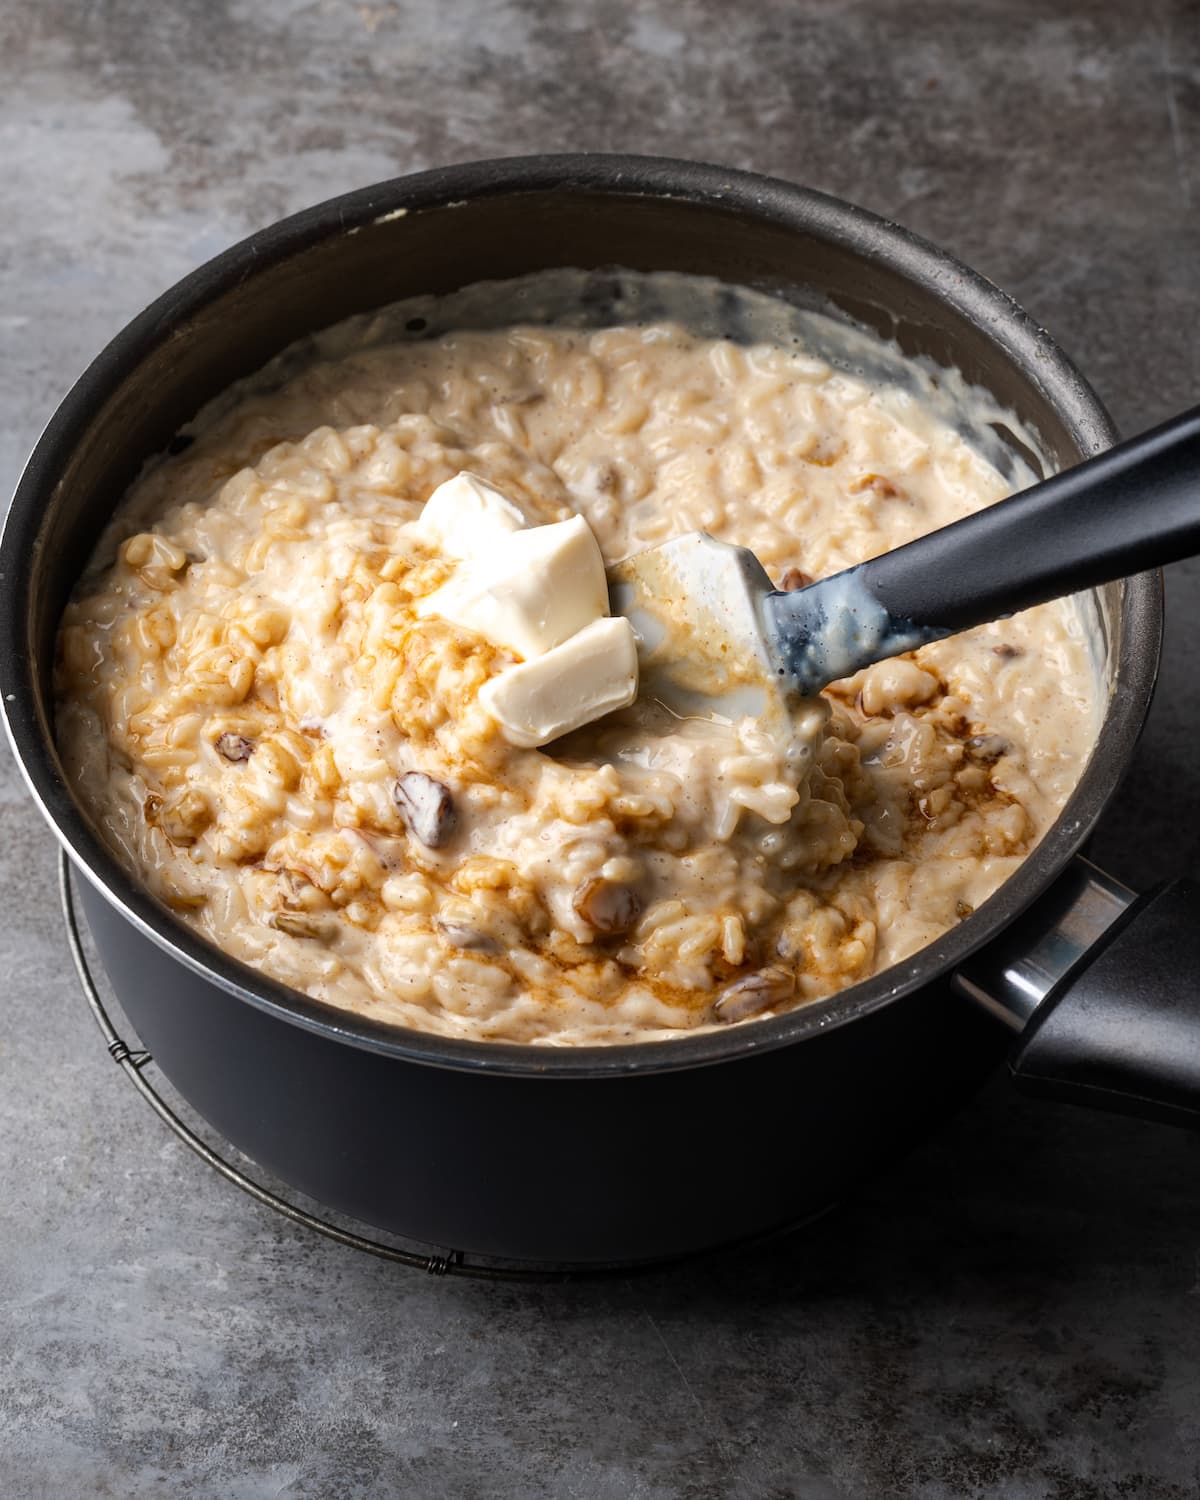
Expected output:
(622, 1153)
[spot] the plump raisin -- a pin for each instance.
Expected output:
(234, 747)
(426, 807)
(609, 907)
(469, 939)
(754, 994)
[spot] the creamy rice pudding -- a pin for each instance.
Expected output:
(279, 730)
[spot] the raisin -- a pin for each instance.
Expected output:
(607, 906)
(234, 747)
(469, 939)
(756, 993)
(426, 807)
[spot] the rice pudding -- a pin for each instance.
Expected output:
(294, 750)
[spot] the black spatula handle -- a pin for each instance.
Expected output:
(1135, 507)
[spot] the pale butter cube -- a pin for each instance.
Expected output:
(530, 591)
(467, 516)
(591, 674)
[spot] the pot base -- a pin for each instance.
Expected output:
(434, 1262)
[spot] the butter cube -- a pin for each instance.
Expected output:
(591, 674)
(467, 516)
(530, 590)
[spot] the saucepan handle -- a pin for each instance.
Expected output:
(1104, 989)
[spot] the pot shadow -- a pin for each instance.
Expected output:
(1009, 1191)
(1008, 1196)
(1011, 1310)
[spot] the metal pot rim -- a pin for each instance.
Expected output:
(763, 199)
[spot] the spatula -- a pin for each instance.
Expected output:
(716, 638)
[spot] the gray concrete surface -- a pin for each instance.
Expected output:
(1016, 1311)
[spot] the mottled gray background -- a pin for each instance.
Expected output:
(1015, 1312)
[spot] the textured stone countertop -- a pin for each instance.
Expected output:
(1014, 1312)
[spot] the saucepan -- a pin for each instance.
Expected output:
(591, 1155)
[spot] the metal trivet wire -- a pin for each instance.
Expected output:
(133, 1061)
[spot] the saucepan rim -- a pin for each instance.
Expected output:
(770, 201)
